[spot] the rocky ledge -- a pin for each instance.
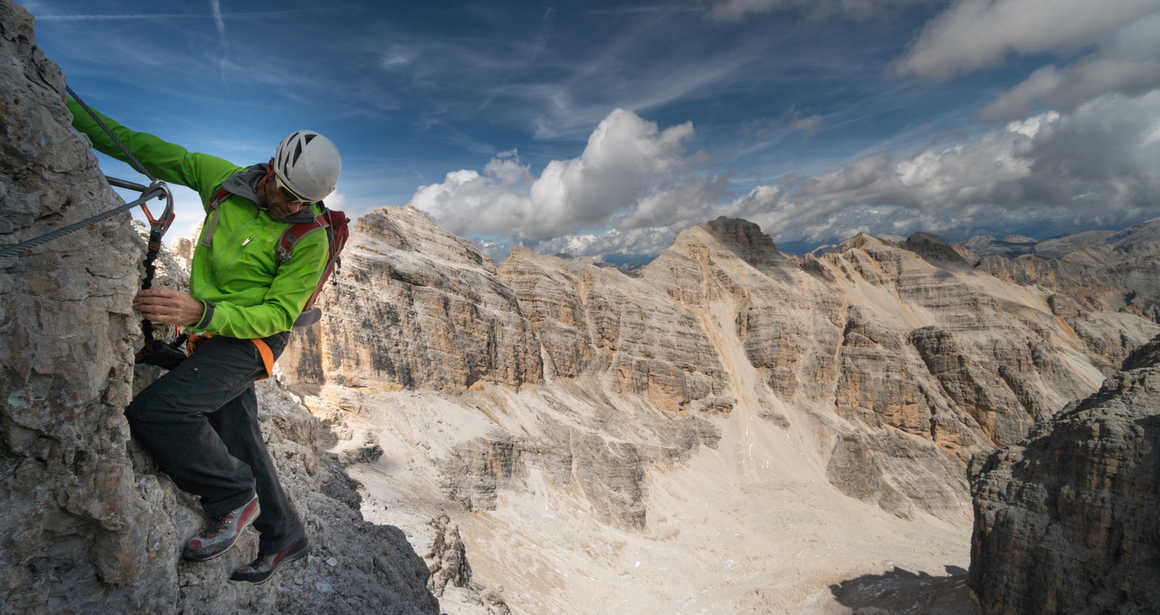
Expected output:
(1068, 521)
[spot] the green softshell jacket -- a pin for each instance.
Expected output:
(244, 291)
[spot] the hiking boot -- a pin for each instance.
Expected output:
(261, 569)
(221, 533)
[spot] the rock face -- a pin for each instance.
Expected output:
(1067, 521)
(415, 306)
(87, 524)
(599, 320)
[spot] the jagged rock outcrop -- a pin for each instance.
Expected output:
(414, 306)
(935, 250)
(447, 561)
(87, 524)
(788, 322)
(73, 512)
(1067, 521)
(417, 307)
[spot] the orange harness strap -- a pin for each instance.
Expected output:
(194, 340)
(267, 356)
(263, 349)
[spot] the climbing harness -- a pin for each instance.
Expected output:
(154, 352)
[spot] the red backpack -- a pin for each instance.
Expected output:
(337, 232)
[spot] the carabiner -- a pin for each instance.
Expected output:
(158, 189)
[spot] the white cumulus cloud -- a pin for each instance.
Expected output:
(1096, 166)
(634, 187)
(626, 158)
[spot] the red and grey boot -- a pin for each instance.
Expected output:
(221, 534)
(261, 569)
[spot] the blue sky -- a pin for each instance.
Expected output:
(605, 128)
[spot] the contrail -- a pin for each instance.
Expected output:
(118, 17)
(144, 16)
(215, 6)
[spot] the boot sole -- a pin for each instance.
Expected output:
(286, 560)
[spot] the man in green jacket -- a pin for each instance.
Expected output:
(199, 421)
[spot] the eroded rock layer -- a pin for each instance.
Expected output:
(415, 306)
(904, 341)
(599, 320)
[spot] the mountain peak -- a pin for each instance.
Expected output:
(934, 249)
(746, 240)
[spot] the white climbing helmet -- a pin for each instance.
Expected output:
(307, 165)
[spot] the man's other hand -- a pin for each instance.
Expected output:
(173, 307)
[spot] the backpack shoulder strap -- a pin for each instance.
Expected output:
(295, 232)
(212, 208)
(336, 227)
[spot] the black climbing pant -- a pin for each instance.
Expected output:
(200, 422)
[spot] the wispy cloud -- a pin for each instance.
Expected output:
(215, 7)
(559, 85)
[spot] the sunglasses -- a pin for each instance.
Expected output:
(287, 193)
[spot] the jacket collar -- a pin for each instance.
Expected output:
(244, 183)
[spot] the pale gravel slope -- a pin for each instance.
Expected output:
(751, 525)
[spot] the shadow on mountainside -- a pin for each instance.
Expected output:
(900, 591)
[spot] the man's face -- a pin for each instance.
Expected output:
(277, 201)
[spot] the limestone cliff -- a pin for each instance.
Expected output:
(87, 524)
(599, 320)
(415, 306)
(1067, 521)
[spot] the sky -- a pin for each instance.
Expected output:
(605, 129)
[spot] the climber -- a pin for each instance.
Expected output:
(199, 420)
